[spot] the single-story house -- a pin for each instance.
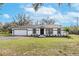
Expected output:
(38, 30)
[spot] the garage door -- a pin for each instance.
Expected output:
(20, 32)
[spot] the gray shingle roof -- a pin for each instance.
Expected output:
(39, 26)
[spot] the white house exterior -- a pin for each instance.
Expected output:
(37, 30)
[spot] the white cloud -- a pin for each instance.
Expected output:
(65, 18)
(29, 9)
(55, 14)
(41, 10)
(26, 5)
(47, 10)
(73, 14)
(6, 15)
(71, 17)
(75, 6)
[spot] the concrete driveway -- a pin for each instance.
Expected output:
(9, 37)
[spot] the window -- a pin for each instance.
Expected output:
(59, 31)
(49, 31)
(34, 31)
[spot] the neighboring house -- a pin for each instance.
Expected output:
(38, 30)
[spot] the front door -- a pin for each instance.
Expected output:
(42, 31)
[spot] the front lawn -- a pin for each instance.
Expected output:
(5, 34)
(48, 46)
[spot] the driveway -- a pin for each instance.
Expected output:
(9, 37)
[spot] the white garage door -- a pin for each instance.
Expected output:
(20, 32)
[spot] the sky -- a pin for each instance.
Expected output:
(63, 15)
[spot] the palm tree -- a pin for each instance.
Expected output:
(36, 6)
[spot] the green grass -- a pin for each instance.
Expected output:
(48, 46)
(5, 34)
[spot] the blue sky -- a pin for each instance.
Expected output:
(63, 15)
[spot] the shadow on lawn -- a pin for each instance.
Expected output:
(68, 37)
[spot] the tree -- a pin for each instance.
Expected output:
(77, 21)
(22, 19)
(36, 6)
(74, 29)
(48, 21)
(13, 23)
(66, 29)
(7, 28)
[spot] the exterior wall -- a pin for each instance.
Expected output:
(44, 31)
(62, 33)
(47, 32)
(54, 31)
(38, 31)
(30, 31)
